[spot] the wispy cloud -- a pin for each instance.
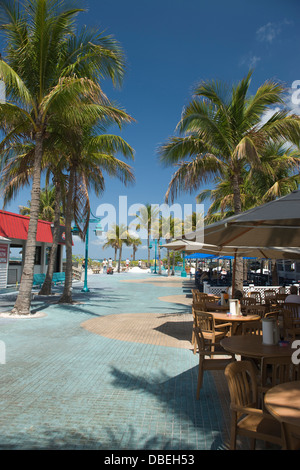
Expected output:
(250, 60)
(268, 32)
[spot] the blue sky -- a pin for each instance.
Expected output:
(170, 46)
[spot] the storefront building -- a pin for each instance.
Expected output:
(13, 236)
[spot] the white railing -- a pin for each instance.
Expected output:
(216, 290)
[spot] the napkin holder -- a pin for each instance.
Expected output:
(270, 331)
(234, 307)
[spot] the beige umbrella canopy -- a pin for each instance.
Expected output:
(242, 251)
(274, 224)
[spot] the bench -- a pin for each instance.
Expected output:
(58, 278)
(38, 279)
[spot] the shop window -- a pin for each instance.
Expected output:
(38, 256)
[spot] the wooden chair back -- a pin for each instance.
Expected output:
(209, 359)
(280, 298)
(256, 295)
(246, 418)
(256, 310)
(241, 379)
(205, 321)
(252, 328)
(275, 371)
(248, 301)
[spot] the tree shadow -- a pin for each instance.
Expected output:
(178, 395)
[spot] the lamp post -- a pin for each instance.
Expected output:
(98, 231)
(155, 246)
(183, 272)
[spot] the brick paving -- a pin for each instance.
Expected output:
(115, 371)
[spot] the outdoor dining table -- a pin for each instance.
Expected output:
(283, 402)
(236, 320)
(253, 346)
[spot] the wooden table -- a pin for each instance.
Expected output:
(283, 402)
(236, 320)
(252, 346)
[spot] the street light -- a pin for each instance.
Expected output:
(150, 246)
(98, 231)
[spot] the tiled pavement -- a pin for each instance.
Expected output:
(72, 381)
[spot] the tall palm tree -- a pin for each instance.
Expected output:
(135, 242)
(147, 215)
(47, 71)
(88, 156)
(117, 237)
(17, 174)
(278, 176)
(222, 134)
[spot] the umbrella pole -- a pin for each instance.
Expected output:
(233, 276)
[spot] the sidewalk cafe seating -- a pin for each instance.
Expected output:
(247, 419)
(209, 359)
(211, 330)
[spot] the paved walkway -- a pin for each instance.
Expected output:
(113, 371)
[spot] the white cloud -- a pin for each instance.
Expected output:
(268, 32)
(250, 60)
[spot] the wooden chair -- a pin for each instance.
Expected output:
(198, 304)
(256, 295)
(247, 302)
(211, 331)
(209, 359)
(256, 310)
(291, 320)
(270, 297)
(246, 418)
(280, 298)
(275, 371)
(252, 327)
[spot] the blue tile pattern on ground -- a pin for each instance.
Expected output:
(63, 387)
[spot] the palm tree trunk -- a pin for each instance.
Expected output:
(238, 278)
(169, 260)
(274, 272)
(47, 286)
(120, 258)
(67, 292)
(23, 302)
(148, 244)
(173, 266)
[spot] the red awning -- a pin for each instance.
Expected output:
(15, 226)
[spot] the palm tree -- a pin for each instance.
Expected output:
(222, 134)
(117, 237)
(135, 242)
(47, 205)
(147, 215)
(278, 176)
(88, 156)
(42, 71)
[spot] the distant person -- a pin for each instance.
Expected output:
(110, 263)
(238, 294)
(139, 264)
(293, 297)
(104, 264)
(127, 264)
